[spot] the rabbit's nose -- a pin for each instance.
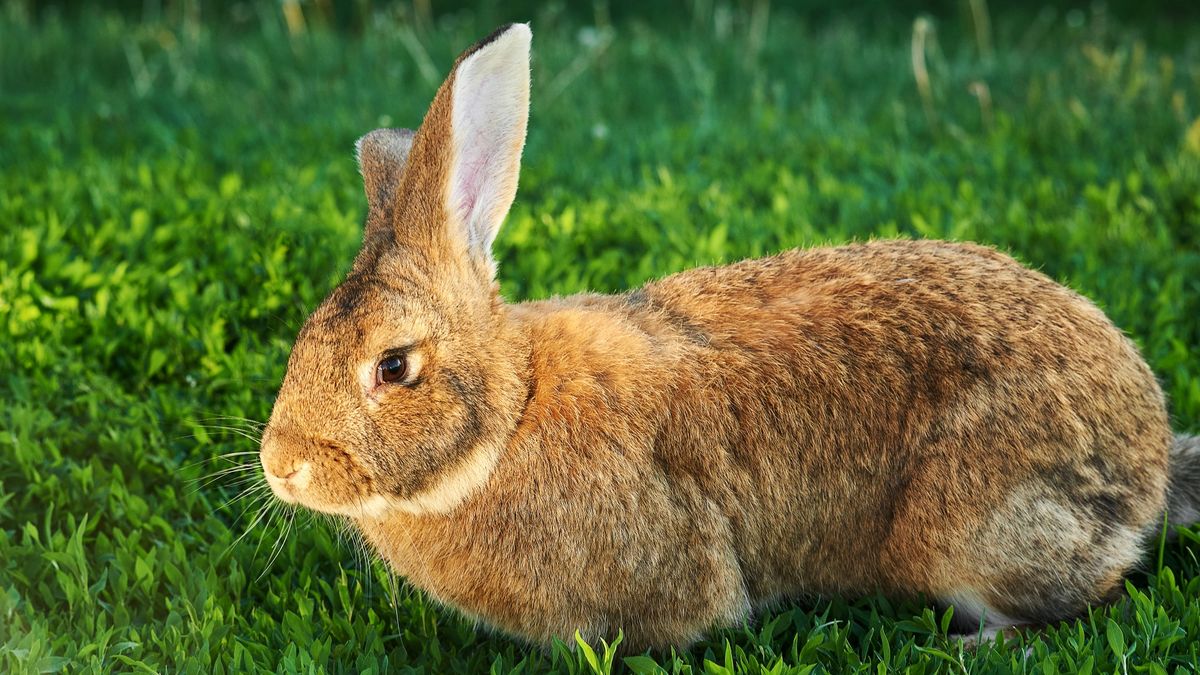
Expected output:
(294, 475)
(299, 475)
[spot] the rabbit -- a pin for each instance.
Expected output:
(923, 419)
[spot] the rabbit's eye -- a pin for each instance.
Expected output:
(391, 369)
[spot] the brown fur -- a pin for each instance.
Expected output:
(916, 417)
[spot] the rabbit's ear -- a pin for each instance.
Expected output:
(382, 155)
(461, 175)
(489, 109)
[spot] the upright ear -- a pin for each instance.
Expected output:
(489, 109)
(382, 155)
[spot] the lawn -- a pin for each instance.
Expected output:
(178, 190)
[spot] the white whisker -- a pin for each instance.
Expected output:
(280, 542)
(233, 418)
(217, 458)
(244, 433)
(252, 490)
(247, 466)
(273, 510)
(256, 498)
(263, 510)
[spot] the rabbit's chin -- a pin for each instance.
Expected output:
(366, 507)
(450, 490)
(372, 507)
(295, 489)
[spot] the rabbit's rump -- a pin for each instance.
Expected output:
(931, 417)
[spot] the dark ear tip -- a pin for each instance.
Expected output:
(492, 37)
(384, 146)
(382, 155)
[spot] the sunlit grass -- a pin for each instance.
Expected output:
(177, 191)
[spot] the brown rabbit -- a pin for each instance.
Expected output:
(912, 417)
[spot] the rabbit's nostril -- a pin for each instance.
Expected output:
(291, 472)
(298, 477)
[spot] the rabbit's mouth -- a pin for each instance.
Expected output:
(289, 483)
(319, 475)
(323, 476)
(292, 486)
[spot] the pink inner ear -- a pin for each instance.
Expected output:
(479, 160)
(471, 173)
(490, 108)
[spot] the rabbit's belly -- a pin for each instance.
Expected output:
(548, 575)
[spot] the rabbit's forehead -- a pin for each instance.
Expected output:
(371, 313)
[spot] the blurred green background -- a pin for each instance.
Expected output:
(178, 190)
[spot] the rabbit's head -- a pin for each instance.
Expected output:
(404, 383)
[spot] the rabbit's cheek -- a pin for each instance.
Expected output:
(337, 482)
(317, 474)
(453, 486)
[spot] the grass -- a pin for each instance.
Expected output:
(177, 190)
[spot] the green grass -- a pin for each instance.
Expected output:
(178, 189)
